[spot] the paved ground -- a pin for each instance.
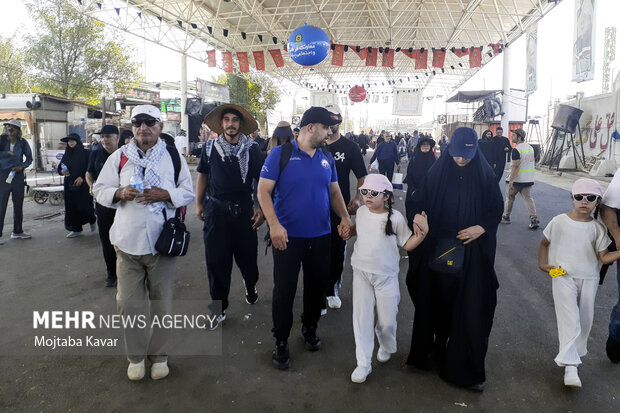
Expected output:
(520, 369)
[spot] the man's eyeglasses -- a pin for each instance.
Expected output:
(370, 193)
(590, 198)
(136, 123)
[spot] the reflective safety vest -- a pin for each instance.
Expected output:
(525, 173)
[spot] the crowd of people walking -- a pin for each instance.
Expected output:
(299, 183)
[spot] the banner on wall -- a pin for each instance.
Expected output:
(583, 44)
(531, 53)
(324, 98)
(212, 92)
(406, 102)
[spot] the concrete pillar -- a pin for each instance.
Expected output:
(184, 119)
(506, 88)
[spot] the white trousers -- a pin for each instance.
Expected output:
(370, 290)
(574, 309)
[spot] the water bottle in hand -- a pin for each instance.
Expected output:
(63, 168)
(9, 179)
(137, 182)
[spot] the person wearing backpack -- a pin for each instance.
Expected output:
(299, 225)
(140, 181)
(228, 167)
(13, 150)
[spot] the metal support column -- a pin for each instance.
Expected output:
(506, 88)
(184, 119)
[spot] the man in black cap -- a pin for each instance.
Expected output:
(295, 133)
(228, 166)
(303, 190)
(105, 215)
(15, 156)
(348, 158)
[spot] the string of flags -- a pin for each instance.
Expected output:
(370, 55)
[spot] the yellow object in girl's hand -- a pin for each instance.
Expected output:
(556, 272)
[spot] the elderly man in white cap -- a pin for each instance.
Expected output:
(15, 156)
(145, 277)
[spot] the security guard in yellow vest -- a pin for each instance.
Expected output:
(521, 178)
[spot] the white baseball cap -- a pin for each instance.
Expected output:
(148, 110)
(13, 122)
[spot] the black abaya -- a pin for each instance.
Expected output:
(78, 202)
(454, 314)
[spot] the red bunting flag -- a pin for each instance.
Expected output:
(259, 59)
(496, 47)
(276, 55)
(439, 57)
(244, 64)
(338, 55)
(211, 58)
(228, 62)
(362, 53)
(461, 53)
(388, 59)
(371, 58)
(475, 57)
(421, 59)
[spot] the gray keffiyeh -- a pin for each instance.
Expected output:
(149, 164)
(241, 150)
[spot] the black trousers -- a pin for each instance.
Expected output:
(387, 168)
(227, 237)
(313, 255)
(105, 219)
(337, 257)
(16, 190)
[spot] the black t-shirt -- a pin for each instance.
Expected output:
(96, 161)
(347, 157)
(225, 181)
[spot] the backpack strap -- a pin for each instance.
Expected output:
(285, 157)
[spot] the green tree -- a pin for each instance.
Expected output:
(257, 95)
(12, 71)
(71, 57)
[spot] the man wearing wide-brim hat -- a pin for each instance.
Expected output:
(228, 166)
(15, 156)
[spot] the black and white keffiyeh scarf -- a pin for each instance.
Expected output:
(147, 163)
(241, 150)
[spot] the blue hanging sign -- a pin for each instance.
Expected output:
(308, 45)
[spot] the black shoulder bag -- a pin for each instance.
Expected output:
(174, 238)
(448, 256)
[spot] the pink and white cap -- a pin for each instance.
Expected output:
(586, 186)
(377, 182)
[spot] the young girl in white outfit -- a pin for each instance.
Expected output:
(380, 231)
(575, 242)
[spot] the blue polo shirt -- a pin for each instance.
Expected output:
(301, 194)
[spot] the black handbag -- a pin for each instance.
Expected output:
(174, 238)
(448, 256)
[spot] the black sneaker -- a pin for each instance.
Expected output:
(281, 355)
(110, 283)
(505, 219)
(612, 348)
(311, 340)
(218, 320)
(251, 295)
(533, 224)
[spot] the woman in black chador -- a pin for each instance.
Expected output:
(421, 161)
(78, 202)
(454, 311)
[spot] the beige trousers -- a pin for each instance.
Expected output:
(511, 194)
(145, 287)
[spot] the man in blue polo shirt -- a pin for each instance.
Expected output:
(300, 229)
